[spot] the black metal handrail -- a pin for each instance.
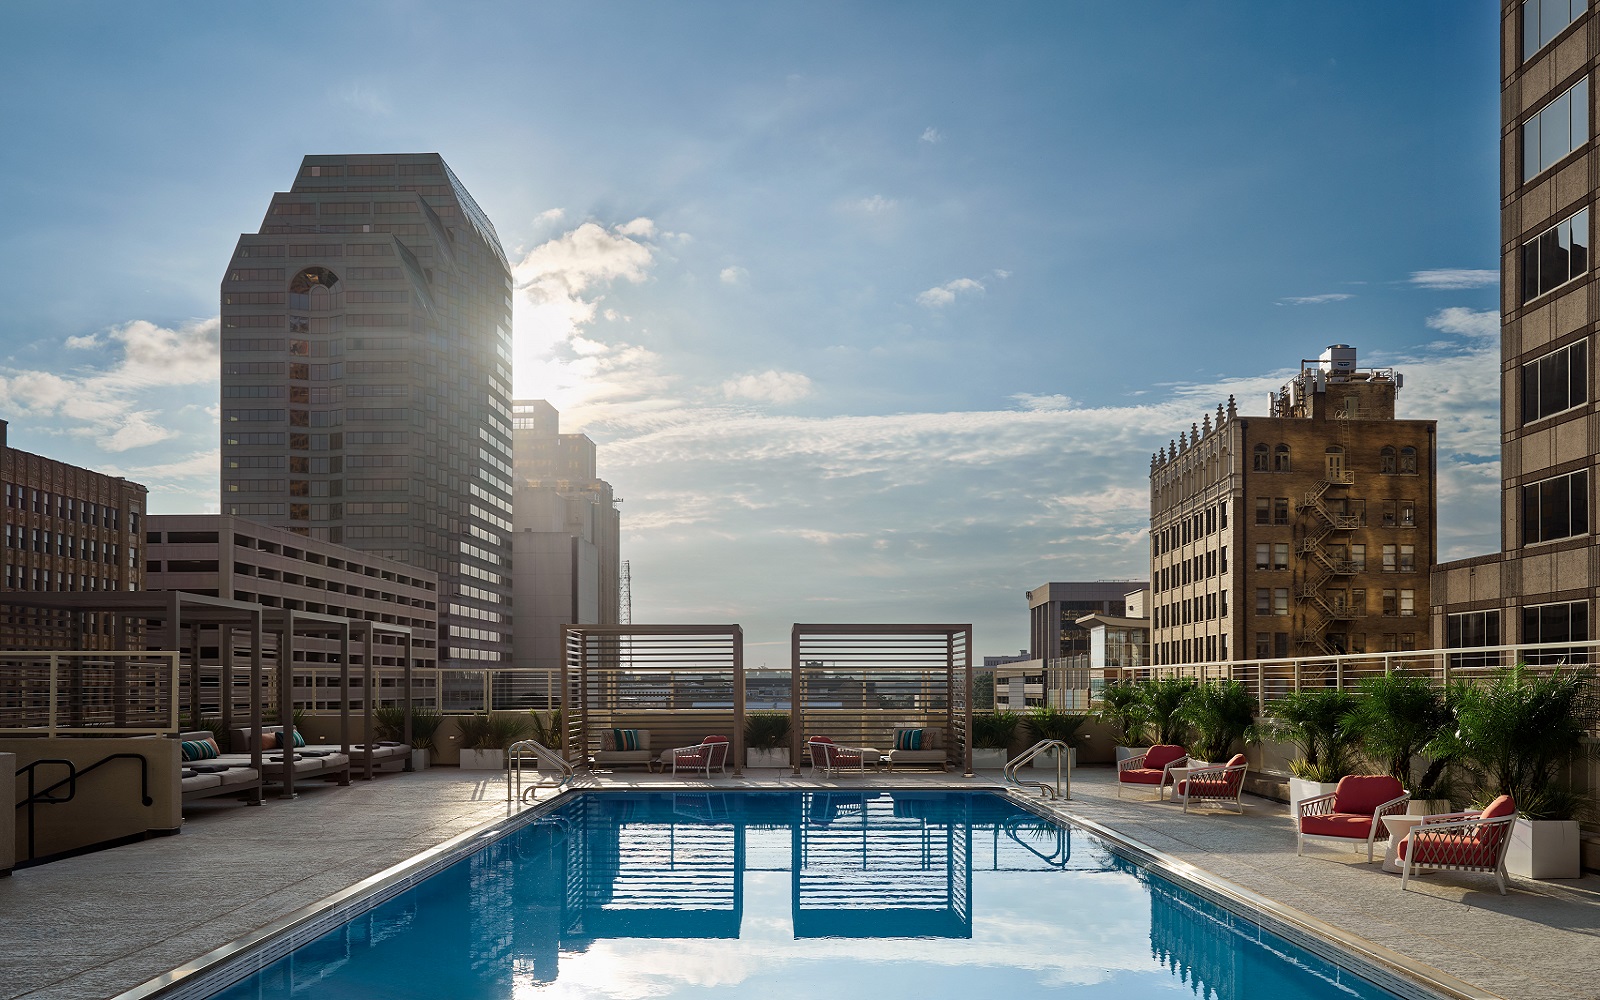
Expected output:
(46, 796)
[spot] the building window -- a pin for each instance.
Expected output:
(1280, 459)
(1258, 461)
(1263, 510)
(1387, 464)
(1470, 629)
(1556, 382)
(1280, 601)
(1263, 601)
(1556, 508)
(1263, 645)
(1280, 555)
(1543, 20)
(1408, 559)
(1391, 604)
(1556, 130)
(1408, 513)
(1280, 510)
(1567, 622)
(1358, 557)
(1389, 558)
(1408, 461)
(1555, 256)
(1263, 555)
(1280, 644)
(1408, 603)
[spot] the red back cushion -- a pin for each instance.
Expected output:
(819, 739)
(714, 739)
(1505, 805)
(1235, 760)
(1162, 754)
(1362, 793)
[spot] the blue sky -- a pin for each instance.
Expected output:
(876, 311)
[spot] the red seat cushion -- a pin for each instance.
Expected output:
(1162, 754)
(1447, 849)
(1210, 787)
(1351, 825)
(1363, 793)
(1140, 775)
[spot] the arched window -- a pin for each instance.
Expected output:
(1386, 462)
(1260, 462)
(1408, 461)
(309, 281)
(1280, 458)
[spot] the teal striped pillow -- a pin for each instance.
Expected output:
(908, 739)
(199, 750)
(626, 739)
(299, 738)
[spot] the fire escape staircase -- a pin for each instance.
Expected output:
(1321, 568)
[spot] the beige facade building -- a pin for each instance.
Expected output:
(1306, 532)
(67, 529)
(1541, 586)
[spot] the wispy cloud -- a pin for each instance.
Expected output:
(875, 205)
(734, 275)
(768, 387)
(932, 136)
(1029, 401)
(1454, 278)
(942, 295)
(1315, 300)
(1466, 322)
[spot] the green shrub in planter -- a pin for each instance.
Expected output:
(1317, 724)
(1124, 711)
(994, 730)
(1221, 714)
(1046, 723)
(1163, 699)
(1399, 718)
(766, 730)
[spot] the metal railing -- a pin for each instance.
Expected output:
(99, 693)
(45, 796)
(540, 755)
(1062, 767)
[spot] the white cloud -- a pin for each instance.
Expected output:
(549, 217)
(942, 295)
(734, 275)
(1030, 401)
(1454, 278)
(875, 205)
(1001, 273)
(82, 343)
(1315, 300)
(768, 386)
(1467, 322)
(932, 136)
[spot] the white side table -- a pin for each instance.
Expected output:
(1398, 827)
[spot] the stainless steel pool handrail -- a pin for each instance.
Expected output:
(540, 754)
(1027, 756)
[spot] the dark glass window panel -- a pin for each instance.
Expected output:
(1578, 504)
(1555, 131)
(1552, 382)
(1530, 270)
(1578, 240)
(1530, 514)
(1577, 374)
(1530, 149)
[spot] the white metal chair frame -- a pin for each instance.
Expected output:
(1221, 772)
(706, 751)
(1463, 824)
(1136, 762)
(825, 756)
(1322, 805)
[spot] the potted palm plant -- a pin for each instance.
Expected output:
(1124, 713)
(992, 733)
(1519, 732)
(1221, 715)
(389, 723)
(1401, 719)
(484, 738)
(1163, 700)
(766, 739)
(1316, 723)
(1047, 723)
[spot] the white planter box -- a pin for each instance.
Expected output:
(419, 759)
(984, 758)
(1047, 761)
(1544, 848)
(774, 757)
(483, 760)
(1123, 753)
(1427, 807)
(1300, 789)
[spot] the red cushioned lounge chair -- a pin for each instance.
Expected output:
(831, 758)
(1150, 767)
(1464, 842)
(1220, 783)
(711, 752)
(1352, 812)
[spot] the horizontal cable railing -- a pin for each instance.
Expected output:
(117, 693)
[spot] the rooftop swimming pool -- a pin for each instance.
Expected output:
(798, 894)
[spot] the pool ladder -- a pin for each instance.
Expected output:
(540, 755)
(1027, 756)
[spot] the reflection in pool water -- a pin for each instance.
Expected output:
(798, 894)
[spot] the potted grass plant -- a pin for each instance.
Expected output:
(1047, 723)
(1221, 715)
(1402, 720)
(1163, 699)
(1520, 731)
(1316, 723)
(766, 739)
(1122, 710)
(484, 738)
(992, 734)
(425, 723)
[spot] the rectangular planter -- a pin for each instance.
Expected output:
(987, 759)
(1544, 848)
(774, 757)
(483, 760)
(419, 759)
(1427, 807)
(1047, 761)
(1123, 753)
(1300, 789)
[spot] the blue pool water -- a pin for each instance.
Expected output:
(816, 895)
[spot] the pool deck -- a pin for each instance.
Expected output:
(91, 927)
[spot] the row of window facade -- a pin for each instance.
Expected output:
(1392, 461)
(1201, 566)
(1201, 608)
(1396, 602)
(1192, 528)
(1562, 621)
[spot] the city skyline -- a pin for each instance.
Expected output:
(874, 315)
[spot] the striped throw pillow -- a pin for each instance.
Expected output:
(205, 749)
(908, 739)
(626, 739)
(299, 738)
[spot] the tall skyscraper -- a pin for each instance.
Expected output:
(1541, 586)
(366, 381)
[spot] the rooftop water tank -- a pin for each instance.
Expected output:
(1339, 358)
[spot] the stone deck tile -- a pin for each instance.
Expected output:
(91, 927)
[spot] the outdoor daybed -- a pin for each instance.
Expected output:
(205, 773)
(928, 751)
(308, 762)
(624, 748)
